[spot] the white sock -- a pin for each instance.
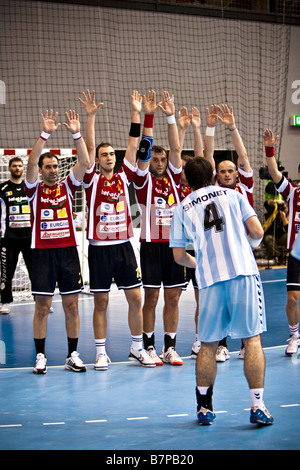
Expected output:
(257, 397)
(294, 330)
(100, 346)
(202, 390)
(137, 342)
(149, 334)
(172, 335)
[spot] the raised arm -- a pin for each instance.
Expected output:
(134, 134)
(49, 126)
(269, 142)
(196, 123)
(183, 123)
(209, 139)
(168, 108)
(227, 118)
(83, 162)
(150, 107)
(91, 110)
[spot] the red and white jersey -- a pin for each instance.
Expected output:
(291, 193)
(157, 199)
(108, 201)
(184, 191)
(244, 185)
(51, 213)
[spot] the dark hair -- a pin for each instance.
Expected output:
(14, 159)
(102, 144)
(198, 172)
(159, 149)
(46, 155)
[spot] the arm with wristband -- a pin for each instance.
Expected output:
(135, 128)
(209, 139)
(91, 110)
(168, 108)
(269, 143)
(145, 148)
(49, 126)
(83, 162)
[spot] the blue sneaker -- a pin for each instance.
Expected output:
(205, 416)
(260, 416)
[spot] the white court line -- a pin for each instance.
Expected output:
(287, 406)
(140, 417)
(134, 364)
(11, 425)
(96, 421)
(53, 424)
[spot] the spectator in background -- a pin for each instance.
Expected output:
(15, 230)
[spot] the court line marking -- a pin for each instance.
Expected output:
(96, 421)
(53, 424)
(137, 418)
(10, 425)
(134, 364)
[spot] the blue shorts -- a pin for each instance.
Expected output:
(233, 308)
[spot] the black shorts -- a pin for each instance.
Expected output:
(190, 273)
(159, 267)
(57, 265)
(113, 262)
(293, 274)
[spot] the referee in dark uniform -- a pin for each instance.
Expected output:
(15, 230)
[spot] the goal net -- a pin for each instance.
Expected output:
(51, 51)
(67, 158)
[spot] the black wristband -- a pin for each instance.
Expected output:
(135, 130)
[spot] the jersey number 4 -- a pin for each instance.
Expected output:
(212, 218)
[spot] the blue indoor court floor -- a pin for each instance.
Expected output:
(131, 408)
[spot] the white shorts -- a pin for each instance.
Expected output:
(234, 308)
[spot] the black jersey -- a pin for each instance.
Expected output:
(15, 211)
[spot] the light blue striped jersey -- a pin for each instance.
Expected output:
(212, 218)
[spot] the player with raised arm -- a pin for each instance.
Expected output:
(109, 229)
(54, 251)
(157, 188)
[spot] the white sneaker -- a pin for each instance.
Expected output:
(171, 357)
(242, 353)
(141, 356)
(40, 364)
(151, 351)
(75, 363)
(195, 349)
(102, 361)
(293, 345)
(222, 354)
(4, 309)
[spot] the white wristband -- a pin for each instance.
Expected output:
(44, 135)
(172, 119)
(210, 131)
(76, 136)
